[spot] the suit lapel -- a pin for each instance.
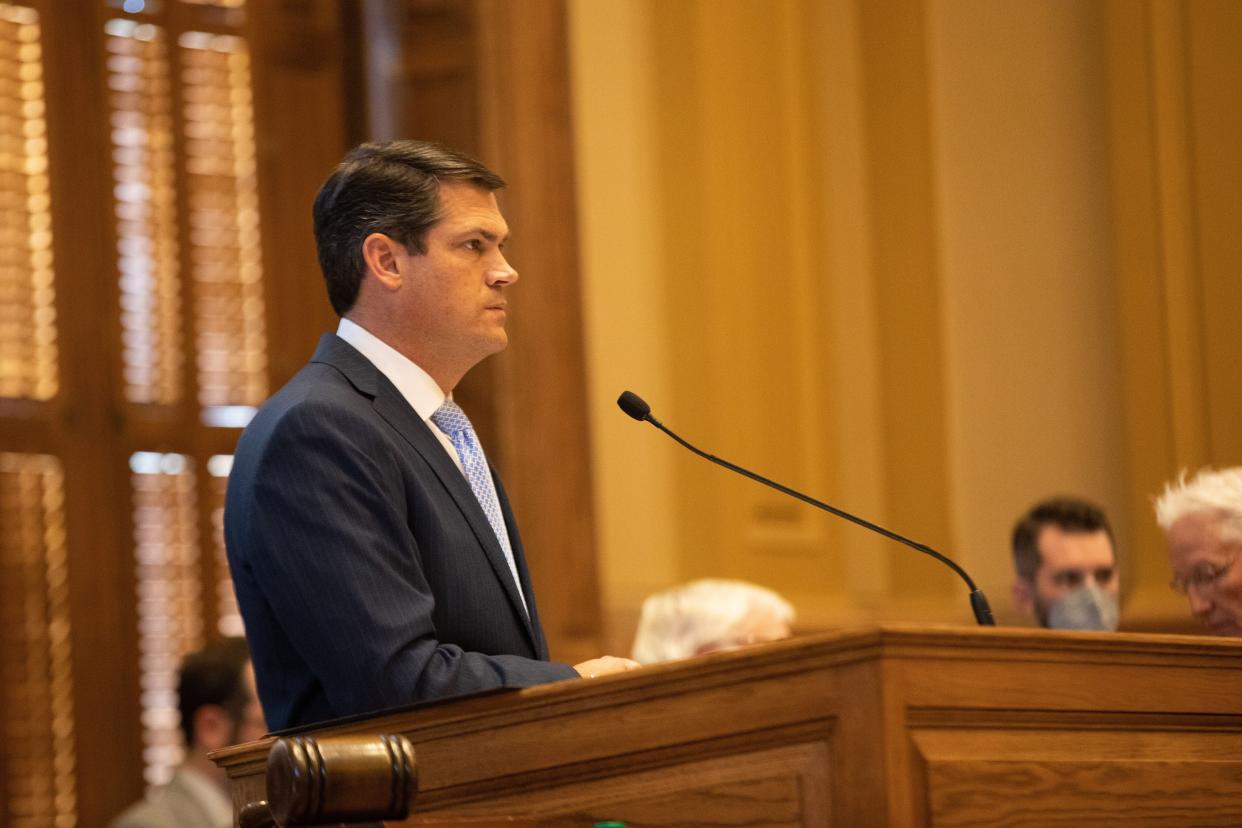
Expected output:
(390, 405)
(393, 408)
(519, 558)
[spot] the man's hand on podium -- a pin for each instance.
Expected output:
(605, 665)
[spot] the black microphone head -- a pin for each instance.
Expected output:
(633, 405)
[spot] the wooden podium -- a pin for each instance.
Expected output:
(888, 726)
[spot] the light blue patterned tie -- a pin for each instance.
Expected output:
(450, 419)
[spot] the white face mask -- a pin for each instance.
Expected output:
(1086, 608)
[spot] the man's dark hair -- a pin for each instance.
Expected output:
(213, 675)
(391, 188)
(1069, 514)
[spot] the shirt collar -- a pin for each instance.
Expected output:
(422, 392)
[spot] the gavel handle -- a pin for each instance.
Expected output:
(256, 815)
(335, 780)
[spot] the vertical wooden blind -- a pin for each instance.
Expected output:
(145, 196)
(187, 369)
(27, 294)
(224, 226)
(134, 345)
(169, 589)
(36, 697)
(37, 778)
(183, 138)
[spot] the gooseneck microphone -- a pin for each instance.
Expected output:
(633, 405)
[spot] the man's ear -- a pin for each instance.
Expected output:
(213, 728)
(382, 255)
(1024, 596)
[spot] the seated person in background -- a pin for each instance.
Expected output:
(1202, 522)
(1065, 566)
(219, 707)
(706, 615)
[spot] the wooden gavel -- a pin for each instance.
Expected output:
(352, 780)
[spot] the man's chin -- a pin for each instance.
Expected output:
(1227, 628)
(493, 342)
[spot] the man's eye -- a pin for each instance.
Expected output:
(474, 244)
(1069, 579)
(1206, 575)
(1104, 574)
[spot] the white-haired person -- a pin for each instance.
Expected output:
(1202, 523)
(708, 615)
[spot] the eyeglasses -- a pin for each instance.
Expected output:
(1203, 578)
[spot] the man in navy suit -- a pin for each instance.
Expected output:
(374, 554)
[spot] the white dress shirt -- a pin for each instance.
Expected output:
(422, 392)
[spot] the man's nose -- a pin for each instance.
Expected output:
(1200, 605)
(502, 273)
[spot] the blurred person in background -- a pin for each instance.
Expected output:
(1065, 566)
(708, 615)
(1202, 523)
(219, 707)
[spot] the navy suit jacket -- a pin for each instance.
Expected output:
(366, 571)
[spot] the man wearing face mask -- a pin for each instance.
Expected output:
(1066, 566)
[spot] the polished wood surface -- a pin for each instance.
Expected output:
(899, 726)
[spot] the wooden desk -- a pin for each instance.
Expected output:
(888, 726)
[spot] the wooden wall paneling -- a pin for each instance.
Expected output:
(545, 444)
(1146, 388)
(97, 508)
(746, 285)
(1032, 373)
(299, 91)
(1179, 256)
(1175, 183)
(689, 314)
(27, 425)
(423, 72)
(420, 61)
(905, 259)
(850, 338)
(1214, 64)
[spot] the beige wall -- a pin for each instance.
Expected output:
(1032, 385)
(879, 251)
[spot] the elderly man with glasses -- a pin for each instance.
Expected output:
(1202, 522)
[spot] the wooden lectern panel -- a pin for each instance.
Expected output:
(1063, 776)
(893, 726)
(779, 787)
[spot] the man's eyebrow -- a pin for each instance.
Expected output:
(487, 234)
